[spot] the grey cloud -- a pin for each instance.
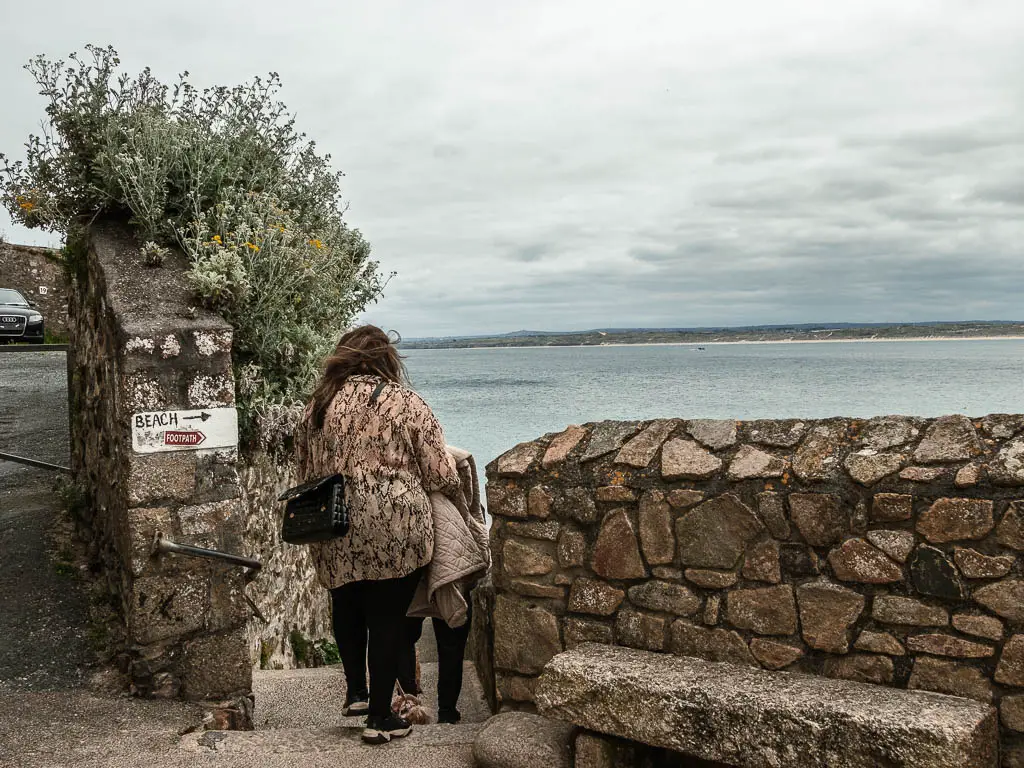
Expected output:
(571, 164)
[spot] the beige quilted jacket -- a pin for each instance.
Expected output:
(462, 552)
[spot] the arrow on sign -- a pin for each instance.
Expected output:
(184, 438)
(204, 416)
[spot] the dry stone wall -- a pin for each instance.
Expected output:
(38, 273)
(138, 346)
(886, 551)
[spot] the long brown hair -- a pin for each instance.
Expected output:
(363, 350)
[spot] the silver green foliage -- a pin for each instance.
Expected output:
(223, 175)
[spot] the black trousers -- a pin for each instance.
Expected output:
(451, 650)
(377, 609)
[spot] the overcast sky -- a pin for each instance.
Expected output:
(566, 165)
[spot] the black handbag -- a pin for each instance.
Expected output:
(315, 511)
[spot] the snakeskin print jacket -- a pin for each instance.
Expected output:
(392, 454)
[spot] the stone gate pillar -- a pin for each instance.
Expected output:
(154, 445)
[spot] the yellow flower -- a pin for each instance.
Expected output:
(281, 229)
(253, 247)
(27, 206)
(216, 239)
(316, 243)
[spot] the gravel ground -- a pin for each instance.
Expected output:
(43, 603)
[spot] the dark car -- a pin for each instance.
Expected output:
(19, 318)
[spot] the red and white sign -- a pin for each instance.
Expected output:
(208, 428)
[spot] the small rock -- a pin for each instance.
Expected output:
(868, 467)
(539, 502)
(562, 445)
(1002, 426)
(968, 476)
(861, 668)
(988, 627)
(523, 740)
(884, 432)
(525, 636)
(1010, 532)
(711, 610)
(778, 434)
(951, 678)
(1008, 466)
(879, 642)
(891, 507)
(891, 609)
(714, 433)
(617, 553)
(684, 498)
(799, 560)
(934, 575)
(572, 547)
(767, 611)
(608, 436)
(595, 597)
(956, 519)
(579, 505)
(762, 562)
(771, 507)
(715, 534)
(1011, 712)
(516, 688)
(532, 589)
(751, 462)
(950, 438)
(615, 493)
(827, 612)
(709, 644)
(668, 598)
(817, 458)
(506, 500)
(896, 544)
(543, 531)
(517, 462)
(685, 459)
(523, 560)
(975, 565)
(947, 645)
(639, 451)
(656, 536)
(821, 518)
(856, 560)
(773, 654)
(579, 631)
(1004, 598)
(922, 474)
(640, 630)
(711, 579)
(1010, 670)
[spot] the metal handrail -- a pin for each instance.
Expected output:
(34, 463)
(166, 546)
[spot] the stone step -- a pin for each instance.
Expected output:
(313, 698)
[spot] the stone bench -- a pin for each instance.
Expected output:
(747, 717)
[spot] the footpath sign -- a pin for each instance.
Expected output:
(159, 431)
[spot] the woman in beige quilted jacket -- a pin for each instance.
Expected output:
(365, 423)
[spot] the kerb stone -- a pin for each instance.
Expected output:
(746, 716)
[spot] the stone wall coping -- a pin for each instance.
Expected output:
(750, 717)
(148, 300)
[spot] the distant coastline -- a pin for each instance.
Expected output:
(762, 335)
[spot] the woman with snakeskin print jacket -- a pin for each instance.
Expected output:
(365, 423)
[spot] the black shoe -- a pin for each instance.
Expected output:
(358, 704)
(381, 730)
(450, 716)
